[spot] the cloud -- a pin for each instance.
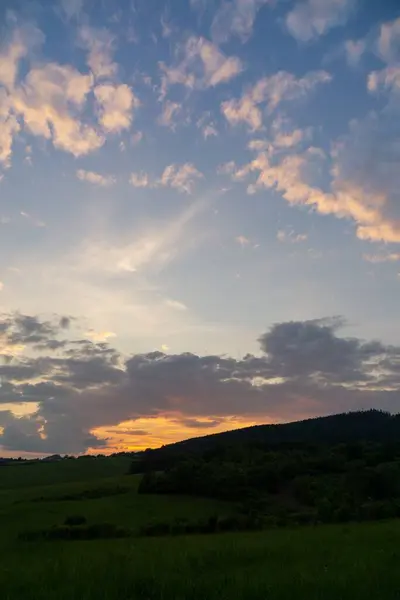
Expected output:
(137, 138)
(207, 126)
(100, 336)
(9, 127)
(72, 8)
(26, 433)
(388, 43)
(46, 101)
(301, 349)
(229, 168)
(387, 81)
(284, 136)
(65, 322)
(362, 173)
(290, 237)
(115, 106)
(382, 258)
(95, 178)
(99, 43)
(181, 178)
(17, 330)
(199, 424)
(169, 112)
(209, 131)
(305, 368)
(150, 249)
(291, 177)
(311, 19)
(366, 177)
(33, 220)
(140, 180)
(202, 65)
(354, 50)
(235, 18)
(175, 304)
(52, 100)
(271, 92)
(167, 27)
(289, 140)
(20, 43)
(242, 240)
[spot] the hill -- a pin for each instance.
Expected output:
(332, 469)
(369, 425)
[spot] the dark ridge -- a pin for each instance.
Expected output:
(370, 425)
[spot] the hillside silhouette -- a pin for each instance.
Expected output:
(370, 425)
(331, 469)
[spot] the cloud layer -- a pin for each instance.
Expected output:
(79, 386)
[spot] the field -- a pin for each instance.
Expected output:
(324, 563)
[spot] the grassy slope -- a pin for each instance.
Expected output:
(324, 563)
(41, 506)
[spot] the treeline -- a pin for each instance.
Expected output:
(370, 425)
(309, 480)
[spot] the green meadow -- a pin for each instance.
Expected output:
(324, 562)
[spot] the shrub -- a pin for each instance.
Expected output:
(213, 524)
(76, 532)
(378, 510)
(156, 529)
(74, 520)
(304, 517)
(91, 494)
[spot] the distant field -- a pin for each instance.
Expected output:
(48, 473)
(320, 563)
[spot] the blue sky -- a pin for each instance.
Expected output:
(182, 177)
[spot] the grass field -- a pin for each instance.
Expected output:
(324, 563)
(33, 474)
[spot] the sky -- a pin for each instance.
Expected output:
(199, 217)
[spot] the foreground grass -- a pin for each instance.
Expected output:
(324, 563)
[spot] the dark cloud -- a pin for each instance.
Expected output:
(31, 434)
(19, 371)
(25, 329)
(298, 349)
(131, 432)
(18, 329)
(306, 368)
(52, 345)
(196, 424)
(83, 373)
(65, 322)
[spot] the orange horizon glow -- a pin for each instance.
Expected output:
(164, 430)
(154, 432)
